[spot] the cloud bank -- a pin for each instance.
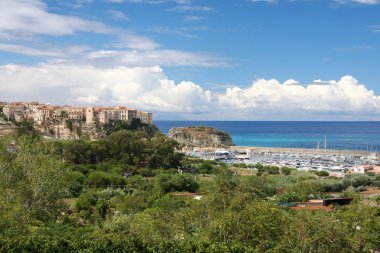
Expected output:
(149, 88)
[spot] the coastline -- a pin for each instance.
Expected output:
(352, 137)
(301, 150)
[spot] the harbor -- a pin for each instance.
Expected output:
(334, 161)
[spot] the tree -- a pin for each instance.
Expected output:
(99, 151)
(286, 170)
(127, 145)
(180, 182)
(162, 153)
(77, 152)
(32, 173)
(309, 231)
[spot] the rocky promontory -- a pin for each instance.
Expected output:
(200, 136)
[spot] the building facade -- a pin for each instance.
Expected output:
(39, 113)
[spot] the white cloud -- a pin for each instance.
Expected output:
(193, 18)
(31, 17)
(115, 1)
(150, 89)
(154, 1)
(147, 88)
(27, 20)
(117, 14)
(185, 8)
(163, 57)
(30, 51)
(23, 19)
(181, 31)
(265, 1)
(344, 97)
(55, 53)
(365, 2)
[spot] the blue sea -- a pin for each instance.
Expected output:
(294, 134)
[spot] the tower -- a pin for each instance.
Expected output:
(89, 115)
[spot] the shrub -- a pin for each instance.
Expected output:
(172, 183)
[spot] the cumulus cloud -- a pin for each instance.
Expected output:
(142, 87)
(150, 89)
(343, 97)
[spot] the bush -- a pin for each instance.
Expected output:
(286, 170)
(376, 183)
(273, 170)
(361, 189)
(320, 173)
(206, 168)
(103, 179)
(172, 183)
(85, 202)
(336, 186)
(75, 180)
(98, 178)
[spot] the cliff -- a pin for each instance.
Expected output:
(6, 127)
(200, 136)
(69, 130)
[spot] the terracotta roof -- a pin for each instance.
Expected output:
(297, 208)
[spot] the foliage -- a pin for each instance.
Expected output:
(176, 183)
(26, 128)
(32, 178)
(126, 194)
(134, 125)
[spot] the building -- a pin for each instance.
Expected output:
(75, 113)
(8, 111)
(363, 169)
(90, 115)
(145, 117)
(39, 113)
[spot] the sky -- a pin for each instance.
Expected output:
(196, 59)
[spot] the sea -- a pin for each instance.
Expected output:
(337, 135)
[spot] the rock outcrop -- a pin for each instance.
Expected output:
(68, 130)
(6, 127)
(200, 136)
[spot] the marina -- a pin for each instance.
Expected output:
(334, 161)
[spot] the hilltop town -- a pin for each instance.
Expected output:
(68, 122)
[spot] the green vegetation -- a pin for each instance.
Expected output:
(132, 192)
(134, 125)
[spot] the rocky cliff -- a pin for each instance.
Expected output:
(68, 130)
(6, 127)
(200, 136)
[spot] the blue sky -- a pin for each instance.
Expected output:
(213, 55)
